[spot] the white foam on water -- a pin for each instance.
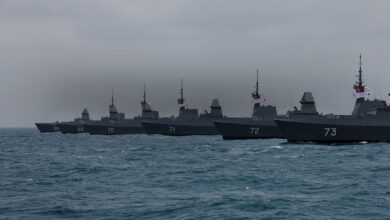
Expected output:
(247, 188)
(363, 142)
(277, 147)
(30, 179)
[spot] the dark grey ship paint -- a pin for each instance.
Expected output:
(369, 121)
(116, 124)
(47, 127)
(262, 124)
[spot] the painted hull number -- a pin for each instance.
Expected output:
(254, 131)
(330, 132)
(172, 129)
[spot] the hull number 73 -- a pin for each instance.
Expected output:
(330, 131)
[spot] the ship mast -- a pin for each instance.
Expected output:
(180, 101)
(144, 94)
(255, 94)
(257, 81)
(112, 97)
(181, 90)
(360, 82)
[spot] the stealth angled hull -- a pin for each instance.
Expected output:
(369, 121)
(335, 130)
(180, 128)
(114, 128)
(248, 129)
(47, 127)
(71, 127)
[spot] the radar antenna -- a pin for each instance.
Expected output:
(360, 77)
(180, 101)
(144, 93)
(181, 89)
(112, 97)
(257, 81)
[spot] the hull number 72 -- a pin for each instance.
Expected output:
(254, 130)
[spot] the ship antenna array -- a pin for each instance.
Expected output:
(360, 83)
(112, 97)
(144, 93)
(181, 89)
(257, 81)
(257, 84)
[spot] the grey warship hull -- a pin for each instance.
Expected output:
(248, 129)
(334, 131)
(369, 121)
(71, 127)
(178, 128)
(47, 127)
(115, 128)
(262, 124)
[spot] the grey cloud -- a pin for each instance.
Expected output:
(58, 57)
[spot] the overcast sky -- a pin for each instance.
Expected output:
(58, 57)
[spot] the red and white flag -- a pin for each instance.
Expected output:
(361, 91)
(258, 98)
(182, 102)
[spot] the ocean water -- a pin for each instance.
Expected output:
(55, 176)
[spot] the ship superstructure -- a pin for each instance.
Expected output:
(188, 121)
(116, 123)
(369, 121)
(75, 126)
(260, 125)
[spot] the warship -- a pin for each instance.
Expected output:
(260, 125)
(369, 121)
(188, 122)
(47, 127)
(116, 123)
(65, 127)
(76, 126)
